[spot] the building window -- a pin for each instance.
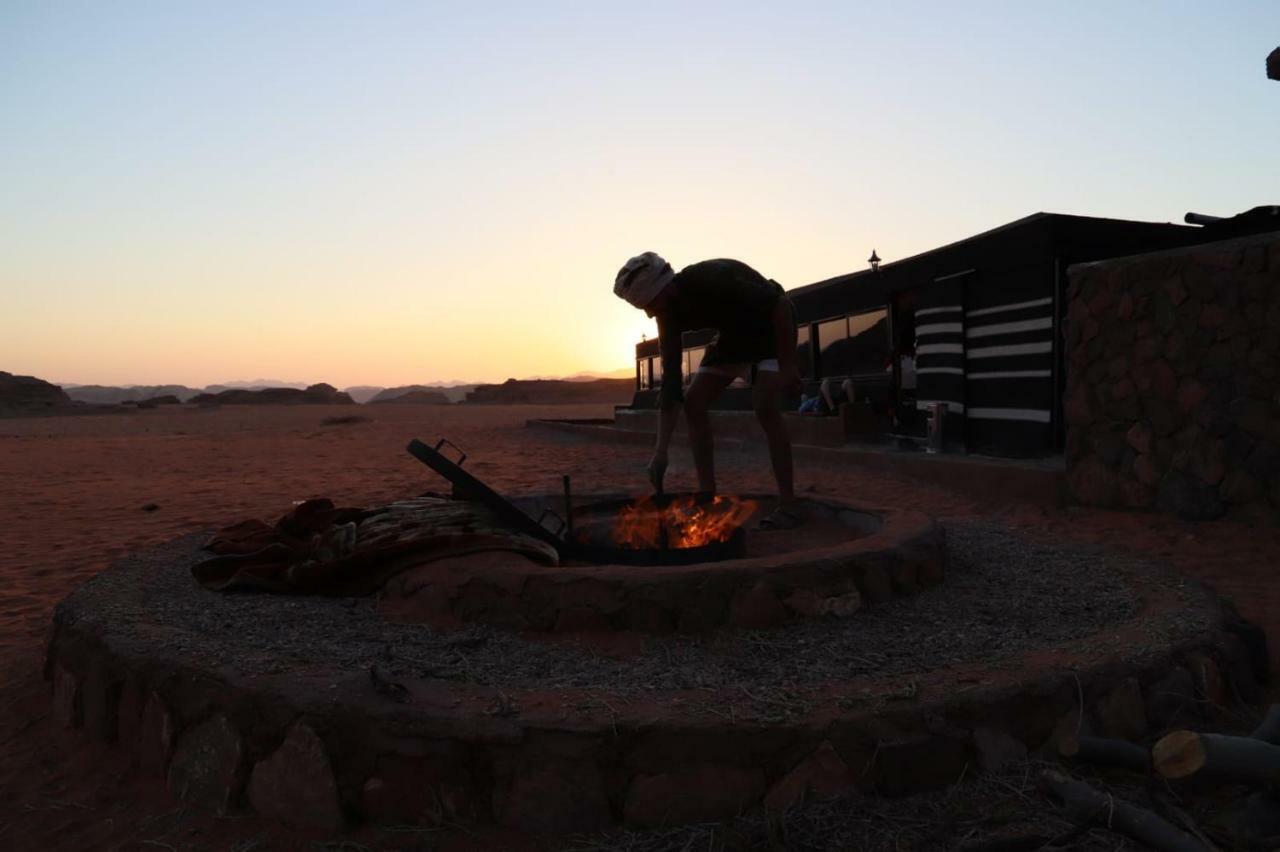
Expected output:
(804, 352)
(869, 342)
(832, 345)
(856, 345)
(642, 372)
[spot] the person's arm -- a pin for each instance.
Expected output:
(784, 330)
(670, 399)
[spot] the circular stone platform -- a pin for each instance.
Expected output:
(839, 560)
(320, 712)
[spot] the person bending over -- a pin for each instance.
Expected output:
(755, 327)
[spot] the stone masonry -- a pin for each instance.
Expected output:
(1173, 381)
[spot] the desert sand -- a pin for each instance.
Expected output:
(74, 492)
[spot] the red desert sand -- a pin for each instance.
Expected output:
(77, 491)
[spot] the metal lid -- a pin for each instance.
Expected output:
(471, 488)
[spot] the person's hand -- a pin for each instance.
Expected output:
(657, 470)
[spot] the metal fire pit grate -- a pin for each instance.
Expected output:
(593, 531)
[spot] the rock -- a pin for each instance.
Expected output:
(101, 702)
(1076, 406)
(431, 790)
(129, 714)
(823, 773)
(412, 397)
(295, 785)
(921, 763)
(1144, 469)
(1139, 437)
(1179, 494)
(1118, 367)
(1164, 383)
(1175, 290)
(1239, 487)
(757, 608)
(206, 768)
(703, 793)
(1240, 670)
(875, 584)
(317, 394)
(68, 707)
(1250, 414)
(1171, 701)
(996, 749)
(1124, 310)
(1122, 712)
(555, 797)
(27, 393)
(155, 737)
(1190, 394)
(1163, 416)
(1135, 495)
(581, 620)
(810, 605)
(1093, 483)
(1212, 316)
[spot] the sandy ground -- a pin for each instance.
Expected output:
(72, 492)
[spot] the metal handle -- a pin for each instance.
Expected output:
(461, 455)
(553, 514)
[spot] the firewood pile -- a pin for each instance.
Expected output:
(1241, 771)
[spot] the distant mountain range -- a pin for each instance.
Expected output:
(455, 391)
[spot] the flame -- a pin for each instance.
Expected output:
(684, 522)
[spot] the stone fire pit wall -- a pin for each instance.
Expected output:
(1173, 399)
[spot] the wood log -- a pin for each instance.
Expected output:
(1085, 804)
(1118, 754)
(1268, 729)
(1243, 760)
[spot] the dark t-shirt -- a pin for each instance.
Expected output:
(730, 297)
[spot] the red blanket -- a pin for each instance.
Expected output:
(320, 549)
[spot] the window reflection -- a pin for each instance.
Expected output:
(855, 345)
(642, 371)
(804, 352)
(832, 335)
(869, 341)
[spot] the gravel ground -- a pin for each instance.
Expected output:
(1003, 595)
(993, 812)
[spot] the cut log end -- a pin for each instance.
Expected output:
(1178, 755)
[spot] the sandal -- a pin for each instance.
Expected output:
(780, 519)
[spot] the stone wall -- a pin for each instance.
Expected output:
(1173, 380)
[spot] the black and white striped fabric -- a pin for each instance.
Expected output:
(940, 349)
(1009, 351)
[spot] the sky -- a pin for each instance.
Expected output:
(392, 193)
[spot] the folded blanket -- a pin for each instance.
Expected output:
(319, 549)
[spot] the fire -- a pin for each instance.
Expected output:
(684, 522)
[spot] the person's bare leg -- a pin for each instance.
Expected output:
(846, 387)
(697, 401)
(766, 397)
(825, 390)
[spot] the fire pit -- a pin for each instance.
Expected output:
(678, 563)
(314, 710)
(668, 529)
